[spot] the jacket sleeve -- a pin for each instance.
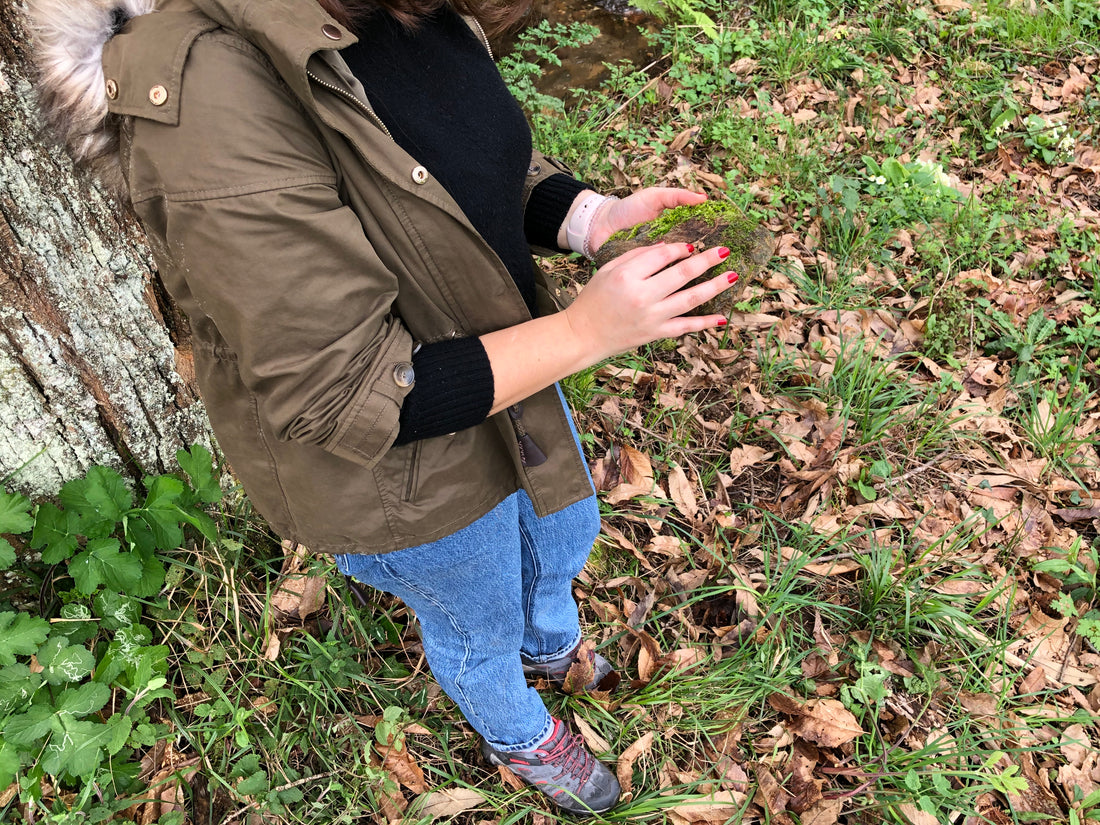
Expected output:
(241, 199)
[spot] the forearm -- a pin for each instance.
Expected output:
(530, 356)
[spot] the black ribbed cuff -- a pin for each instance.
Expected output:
(453, 390)
(547, 208)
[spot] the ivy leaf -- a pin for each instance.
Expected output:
(198, 464)
(103, 562)
(56, 530)
(29, 728)
(79, 751)
(20, 635)
(85, 700)
(62, 662)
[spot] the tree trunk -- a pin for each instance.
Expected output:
(95, 363)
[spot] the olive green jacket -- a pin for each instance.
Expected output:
(312, 254)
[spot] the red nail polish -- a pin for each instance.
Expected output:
(723, 252)
(731, 276)
(691, 247)
(723, 322)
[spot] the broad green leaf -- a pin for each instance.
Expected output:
(7, 554)
(152, 576)
(254, 784)
(247, 764)
(56, 531)
(17, 687)
(9, 764)
(84, 700)
(116, 610)
(198, 464)
(76, 623)
(62, 662)
(163, 492)
(20, 635)
(161, 511)
(82, 747)
(15, 514)
(103, 562)
(102, 495)
(29, 728)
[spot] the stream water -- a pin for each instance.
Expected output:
(583, 67)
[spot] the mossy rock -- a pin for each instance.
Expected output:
(707, 225)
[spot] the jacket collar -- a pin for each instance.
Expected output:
(287, 31)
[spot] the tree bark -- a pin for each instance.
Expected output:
(95, 363)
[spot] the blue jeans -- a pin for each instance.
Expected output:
(483, 595)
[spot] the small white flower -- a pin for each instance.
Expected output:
(879, 179)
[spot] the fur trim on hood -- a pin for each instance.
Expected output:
(68, 38)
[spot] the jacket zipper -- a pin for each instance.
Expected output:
(530, 455)
(370, 113)
(485, 40)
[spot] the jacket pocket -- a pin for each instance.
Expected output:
(412, 471)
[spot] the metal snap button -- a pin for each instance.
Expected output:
(420, 175)
(404, 375)
(331, 32)
(534, 169)
(112, 89)
(158, 95)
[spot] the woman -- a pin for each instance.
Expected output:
(343, 198)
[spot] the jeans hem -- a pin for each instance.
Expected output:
(530, 744)
(561, 654)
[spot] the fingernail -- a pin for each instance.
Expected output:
(731, 276)
(723, 252)
(691, 247)
(723, 322)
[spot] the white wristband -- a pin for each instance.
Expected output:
(579, 227)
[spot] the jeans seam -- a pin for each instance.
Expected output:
(454, 625)
(526, 545)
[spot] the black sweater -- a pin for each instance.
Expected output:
(443, 100)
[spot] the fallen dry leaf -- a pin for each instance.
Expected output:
(448, 803)
(681, 492)
(596, 743)
(718, 807)
(636, 471)
(402, 767)
(624, 768)
(824, 722)
(582, 671)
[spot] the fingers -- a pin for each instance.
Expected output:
(645, 261)
(675, 277)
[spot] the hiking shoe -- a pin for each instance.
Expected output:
(604, 675)
(564, 769)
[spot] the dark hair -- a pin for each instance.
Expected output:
(496, 17)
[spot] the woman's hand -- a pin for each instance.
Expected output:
(636, 298)
(644, 205)
(639, 297)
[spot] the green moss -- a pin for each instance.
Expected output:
(713, 212)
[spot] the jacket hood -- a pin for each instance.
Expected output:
(68, 37)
